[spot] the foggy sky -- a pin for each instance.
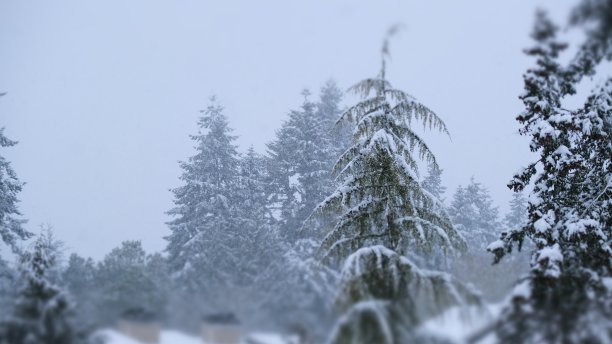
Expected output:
(102, 95)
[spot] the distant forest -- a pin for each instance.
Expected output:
(343, 232)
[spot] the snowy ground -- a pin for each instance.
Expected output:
(455, 324)
(459, 324)
(174, 337)
(167, 337)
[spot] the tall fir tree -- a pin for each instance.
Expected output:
(473, 213)
(253, 205)
(328, 106)
(515, 219)
(595, 16)
(11, 225)
(517, 216)
(42, 312)
(262, 243)
(299, 164)
(433, 182)
(567, 295)
(221, 223)
(261, 249)
(329, 111)
(300, 161)
(203, 212)
(384, 215)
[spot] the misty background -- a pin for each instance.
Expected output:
(102, 96)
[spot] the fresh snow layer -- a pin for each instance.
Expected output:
(166, 337)
(113, 337)
(271, 338)
(459, 323)
(175, 337)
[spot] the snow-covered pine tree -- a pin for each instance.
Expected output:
(515, 219)
(252, 184)
(262, 262)
(567, 295)
(473, 214)
(11, 229)
(328, 106)
(433, 182)
(42, 312)
(384, 215)
(299, 290)
(282, 165)
(299, 164)
(595, 16)
(262, 243)
(329, 111)
(204, 214)
(517, 216)
(279, 281)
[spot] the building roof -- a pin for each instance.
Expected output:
(139, 314)
(221, 319)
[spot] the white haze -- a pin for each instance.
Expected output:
(102, 95)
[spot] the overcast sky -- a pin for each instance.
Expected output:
(102, 95)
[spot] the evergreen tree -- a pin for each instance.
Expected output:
(515, 219)
(42, 311)
(299, 290)
(79, 278)
(566, 297)
(328, 110)
(474, 215)
(595, 16)
(433, 183)
(260, 246)
(199, 246)
(385, 214)
(11, 229)
(252, 188)
(222, 239)
(8, 286)
(299, 161)
(158, 272)
(328, 107)
(517, 216)
(123, 283)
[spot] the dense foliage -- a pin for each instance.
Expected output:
(570, 207)
(386, 215)
(334, 233)
(42, 312)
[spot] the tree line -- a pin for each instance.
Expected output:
(335, 232)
